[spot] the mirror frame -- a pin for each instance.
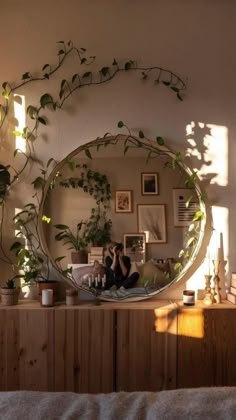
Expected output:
(196, 256)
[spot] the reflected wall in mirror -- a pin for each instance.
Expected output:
(81, 200)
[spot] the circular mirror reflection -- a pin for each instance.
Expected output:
(126, 192)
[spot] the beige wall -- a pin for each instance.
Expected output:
(194, 39)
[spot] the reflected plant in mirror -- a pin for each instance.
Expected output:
(166, 262)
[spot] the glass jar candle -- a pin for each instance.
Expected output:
(188, 297)
(47, 297)
(71, 297)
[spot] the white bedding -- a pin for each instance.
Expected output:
(182, 404)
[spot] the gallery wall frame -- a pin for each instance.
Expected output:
(152, 221)
(183, 212)
(123, 201)
(135, 246)
(149, 183)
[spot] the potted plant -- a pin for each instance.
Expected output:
(30, 257)
(10, 293)
(77, 240)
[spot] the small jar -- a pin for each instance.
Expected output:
(71, 297)
(47, 297)
(188, 297)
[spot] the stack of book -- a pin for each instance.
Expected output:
(96, 254)
(231, 295)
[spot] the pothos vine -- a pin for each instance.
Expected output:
(37, 113)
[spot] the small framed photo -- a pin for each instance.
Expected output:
(152, 221)
(149, 182)
(123, 201)
(183, 212)
(135, 246)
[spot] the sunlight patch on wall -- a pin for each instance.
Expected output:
(208, 145)
(19, 113)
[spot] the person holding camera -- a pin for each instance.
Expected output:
(117, 268)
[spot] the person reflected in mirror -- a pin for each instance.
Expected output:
(117, 268)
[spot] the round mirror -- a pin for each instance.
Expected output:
(125, 190)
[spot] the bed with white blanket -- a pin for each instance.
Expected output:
(181, 404)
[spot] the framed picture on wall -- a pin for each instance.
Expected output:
(149, 183)
(135, 246)
(123, 201)
(152, 221)
(183, 212)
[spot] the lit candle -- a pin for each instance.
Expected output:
(47, 297)
(89, 281)
(103, 280)
(96, 281)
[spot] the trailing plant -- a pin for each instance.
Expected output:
(91, 182)
(97, 229)
(36, 114)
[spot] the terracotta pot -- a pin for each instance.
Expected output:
(10, 297)
(79, 257)
(50, 284)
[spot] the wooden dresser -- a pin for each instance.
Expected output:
(149, 345)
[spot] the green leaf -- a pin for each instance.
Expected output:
(61, 227)
(114, 62)
(16, 151)
(87, 74)
(49, 162)
(16, 246)
(45, 100)
(17, 133)
(26, 76)
(76, 76)
(5, 94)
(179, 97)
(17, 99)
(174, 88)
(63, 82)
(46, 75)
(178, 156)
(60, 52)
(198, 215)
(46, 66)
(46, 219)
(190, 241)
(104, 71)
(166, 83)
(88, 154)
(127, 66)
(126, 149)
(58, 259)
(39, 182)
(120, 124)
(160, 141)
(83, 60)
(31, 111)
(41, 120)
(141, 134)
